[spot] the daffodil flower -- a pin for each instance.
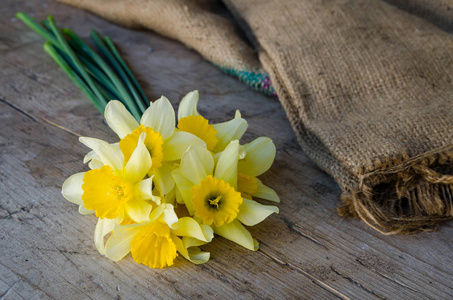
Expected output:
(117, 189)
(255, 158)
(156, 243)
(210, 194)
(164, 143)
(216, 136)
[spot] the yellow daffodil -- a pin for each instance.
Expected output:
(164, 143)
(216, 136)
(117, 189)
(210, 192)
(156, 243)
(255, 158)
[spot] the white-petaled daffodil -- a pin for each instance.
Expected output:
(216, 136)
(116, 190)
(210, 193)
(156, 243)
(164, 143)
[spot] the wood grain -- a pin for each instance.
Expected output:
(47, 249)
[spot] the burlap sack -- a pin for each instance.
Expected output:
(193, 23)
(367, 88)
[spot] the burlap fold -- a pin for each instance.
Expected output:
(368, 90)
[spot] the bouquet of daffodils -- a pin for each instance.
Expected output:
(165, 187)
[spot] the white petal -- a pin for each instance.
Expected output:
(72, 188)
(187, 226)
(84, 211)
(145, 188)
(227, 167)
(188, 105)
(138, 210)
(265, 192)
(260, 155)
(110, 155)
(193, 254)
(139, 163)
(103, 227)
(196, 164)
(237, 233)
(180, 141)
(160, 116)
(228, 131)
(252, 213)
(162, 178)
(119, 119)
(119, 243)
(184, 188)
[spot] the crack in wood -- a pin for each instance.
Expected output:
(297, 229)
(315, 280)
(357, 284)
(18, 109)
(3, 296)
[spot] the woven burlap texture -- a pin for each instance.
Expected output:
(367, 87)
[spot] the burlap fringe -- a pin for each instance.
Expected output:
(416, 198)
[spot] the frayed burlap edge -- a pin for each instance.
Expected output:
(400, 195)
(413, 195)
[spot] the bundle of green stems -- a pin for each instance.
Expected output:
(101, 77)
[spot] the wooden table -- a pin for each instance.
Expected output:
(46, 246)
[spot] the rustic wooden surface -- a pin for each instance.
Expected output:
(47, 249)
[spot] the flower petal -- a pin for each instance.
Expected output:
(72, 188)
(160, 116)
(138, 210)
(193, 254)
(145, 189)
(265, 192)
(227, 166)
(169, 216)
(228, 131)
(188, 105)
(237, 233)
(260, 155)
(187, 226)
(109, 154)
(162, 179)
(196, 163)
(184, 190)
(252, 213)
(119, 119)
(175, 147)
(84, 211)
(103, 227)
(119, 243)
(139, 163)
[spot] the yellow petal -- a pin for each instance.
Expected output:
(200, 127)
(119, 243)
(237, 233)
(138, 210)
(139, 163)
(162, 178)
(145, 188)
(227, 167)
(228, 131)
(192, 254)
(109, 154)
(196, 163)
(169, 216)
(103, 227)
(187, 226)
(252, 213)
(160, 116)
(184, 190)
(260, 155)
(72, 188)
(188, 105)
(265, 192)
(175, 147)
(119, 119)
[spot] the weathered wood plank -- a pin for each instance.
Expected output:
(46, 246)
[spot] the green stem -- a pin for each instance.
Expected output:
(30, 22)
(76, 42)
(117, 55)
(52, 51)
